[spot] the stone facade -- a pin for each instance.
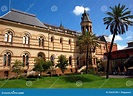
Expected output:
(25, 42)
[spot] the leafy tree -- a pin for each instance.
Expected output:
(62, 63)
(118, 21)
(38, 65)
(47, 65)
(17, 67)
(41, 66)
(88, 42)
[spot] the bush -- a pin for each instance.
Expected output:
(32, 76)
(23, 77)
(91, 71)
(30, 79)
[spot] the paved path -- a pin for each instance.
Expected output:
(119, 76)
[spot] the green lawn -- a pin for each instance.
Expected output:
(69, 81)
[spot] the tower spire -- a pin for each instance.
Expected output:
(86, 24)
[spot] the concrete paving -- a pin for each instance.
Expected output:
(119, 76)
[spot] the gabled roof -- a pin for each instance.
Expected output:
(22, 17)
(104, 38)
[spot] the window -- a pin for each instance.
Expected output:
(8, 37)
(52, 39)
(69, 41)
(52, 58)
(6, 73)
(70, 60)
(61, 40)
(7, 59)
(25, 59)
(41, 55)
(77, 60)
(41, 41)
(26, 39)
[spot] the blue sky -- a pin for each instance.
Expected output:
(69, 13)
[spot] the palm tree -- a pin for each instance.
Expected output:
(118, 20)
(88, 42)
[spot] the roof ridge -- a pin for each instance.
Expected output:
(23, 12)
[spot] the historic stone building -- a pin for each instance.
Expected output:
(24, 37)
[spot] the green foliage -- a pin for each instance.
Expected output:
(17, 67)
(88, 38)
(118, 21)
(40, 65)
(47, 65)
(87, 81)
(87, 43)
(62, 63)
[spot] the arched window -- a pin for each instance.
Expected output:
(8, 37)
(61, 40)
(52, 58)
(26, 39)
(69, 42)
(70, 60)
(7, 59)
(41, 55)
(41, 41)
(25, 59)
(52, 39)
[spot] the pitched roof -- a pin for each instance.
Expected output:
(22, 17)
(104, 38)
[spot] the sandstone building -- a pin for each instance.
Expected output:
(24, 37)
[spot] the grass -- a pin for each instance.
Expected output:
(68, 81)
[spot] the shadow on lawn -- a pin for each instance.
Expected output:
(76, 78)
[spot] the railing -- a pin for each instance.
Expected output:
(82, 68)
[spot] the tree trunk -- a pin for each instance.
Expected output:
(109, 54)
(87, 60)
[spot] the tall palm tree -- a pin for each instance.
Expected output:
(118, 20)
(88, 43)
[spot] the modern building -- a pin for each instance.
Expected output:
(24, 37)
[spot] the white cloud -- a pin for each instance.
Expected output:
(117, 37)
(129, 35)
(120, 46)
(78, 10)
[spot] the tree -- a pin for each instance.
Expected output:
(41, 66)
(62, 63)
(88, 42)
(38, 65)
(47, 65)
(17, 67)
(118, 20)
